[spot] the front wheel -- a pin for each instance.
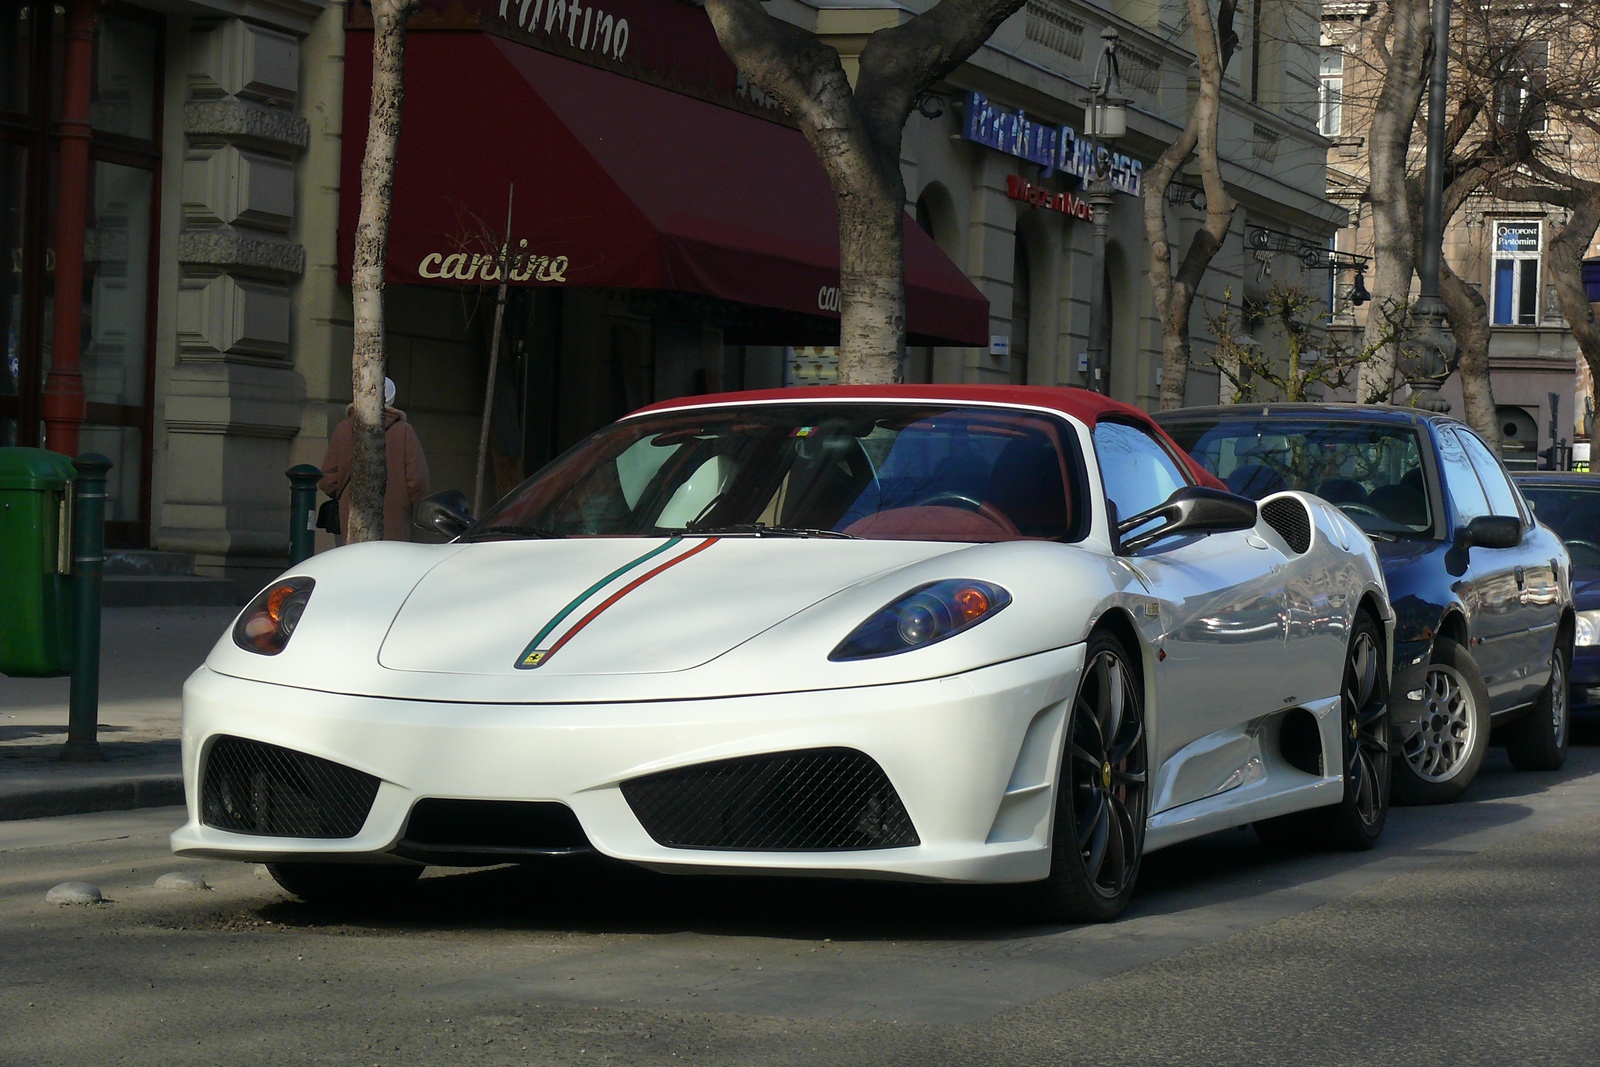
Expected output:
(1538, 740)
(1443, 739)
(1102, 792)
(1356, 822)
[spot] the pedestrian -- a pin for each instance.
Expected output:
(407, 466)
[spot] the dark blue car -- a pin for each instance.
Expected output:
(1570, 505)
(1482, 592)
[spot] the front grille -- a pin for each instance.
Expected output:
(490, 830)
(248, 787)
(818, 800)
(1289, 517)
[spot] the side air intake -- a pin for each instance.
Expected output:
(1290, 518)
(248, 787)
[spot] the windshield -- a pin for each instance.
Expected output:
(1372, 471)
(918, 472)
(1574, 514)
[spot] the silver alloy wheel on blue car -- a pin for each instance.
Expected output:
(1538, 742)
(1442, 737)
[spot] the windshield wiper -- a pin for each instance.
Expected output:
(509, 533)
(761, 529)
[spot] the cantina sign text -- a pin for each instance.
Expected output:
(523, 266)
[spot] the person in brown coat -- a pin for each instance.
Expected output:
(408, 469)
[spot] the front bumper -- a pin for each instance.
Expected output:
(972, 757)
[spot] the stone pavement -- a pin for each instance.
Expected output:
(145, 655)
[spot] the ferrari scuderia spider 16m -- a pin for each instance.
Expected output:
(953, 633)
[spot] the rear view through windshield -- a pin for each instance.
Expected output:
(1372, 471)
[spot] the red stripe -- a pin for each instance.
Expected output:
(620, 593)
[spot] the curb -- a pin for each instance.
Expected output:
(152, 791)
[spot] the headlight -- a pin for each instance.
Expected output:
(926, 614)
(269, 621)
(1588, 628)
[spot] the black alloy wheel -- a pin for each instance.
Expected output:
(1102, 799)
(1355, 823)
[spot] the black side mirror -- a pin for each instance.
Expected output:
(1491, 531)
(1192, 509)
(446, 511)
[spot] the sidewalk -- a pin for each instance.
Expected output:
(145, 655)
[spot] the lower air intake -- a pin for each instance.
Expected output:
(248, 787)
(817, 800)
(490, 831)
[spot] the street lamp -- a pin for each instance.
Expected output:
(1105, 118)
(1428, 361)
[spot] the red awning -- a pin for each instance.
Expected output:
(619, 183)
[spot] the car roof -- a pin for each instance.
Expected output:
(1357, 412)
(1581, 479)
(1082, 404)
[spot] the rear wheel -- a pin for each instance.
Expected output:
(1443, 739)
(345, 883)
(1356, 822)
(1102, 794)
(1538, 740)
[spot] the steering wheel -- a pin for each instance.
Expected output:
(946, 497)
(1362, 509)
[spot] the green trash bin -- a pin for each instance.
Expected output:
(35, 563)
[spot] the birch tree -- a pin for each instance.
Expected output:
(368, 472)
(856, 133)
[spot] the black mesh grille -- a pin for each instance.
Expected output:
(492, 826)
(1289, 517)
(252, 788)
(820, 800)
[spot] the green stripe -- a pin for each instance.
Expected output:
(589, 592)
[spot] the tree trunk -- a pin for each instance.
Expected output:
(368, 471)
(872, 279)
(1389, 139)
(1174, 292)
(1469, 322)
(1566, 274)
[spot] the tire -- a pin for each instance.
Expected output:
(345, 883)
(1102, 793)
(1439, 753)
(1355, 823)
(1538, 740)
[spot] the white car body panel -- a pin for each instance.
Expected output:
(405, 666)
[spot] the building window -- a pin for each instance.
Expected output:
(1519, 103)
(1330, 98)
(1516, 273)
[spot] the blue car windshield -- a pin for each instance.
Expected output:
(891, 471)
(1371, 470)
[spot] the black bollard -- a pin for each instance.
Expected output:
(88, 563)
(302, 511)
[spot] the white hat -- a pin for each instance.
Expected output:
(388, 392)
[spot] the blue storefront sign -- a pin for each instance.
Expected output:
(1055, 148)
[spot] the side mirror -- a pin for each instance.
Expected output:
(1190, 510)
(445, 511)
(1491, 531)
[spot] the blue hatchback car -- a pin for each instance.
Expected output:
(1482, 593)
(1570, 505)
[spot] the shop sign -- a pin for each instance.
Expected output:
(1047, 199)
(524, 266)
(1052, 147)
(584, 28)
(1517, 237)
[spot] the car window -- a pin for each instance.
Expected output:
(1466, 492)
(1502, 498)
(1137, 472)
(1371, 469)
(1574, 514)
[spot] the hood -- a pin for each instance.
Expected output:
(1586, 588)
(615, 605)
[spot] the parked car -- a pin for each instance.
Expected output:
(1482, 593)
(950, 633)
(1570, 505)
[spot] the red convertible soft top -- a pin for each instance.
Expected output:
(1081, 404)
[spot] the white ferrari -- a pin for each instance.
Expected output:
(954, 633)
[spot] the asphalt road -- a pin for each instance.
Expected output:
(1468, 936)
